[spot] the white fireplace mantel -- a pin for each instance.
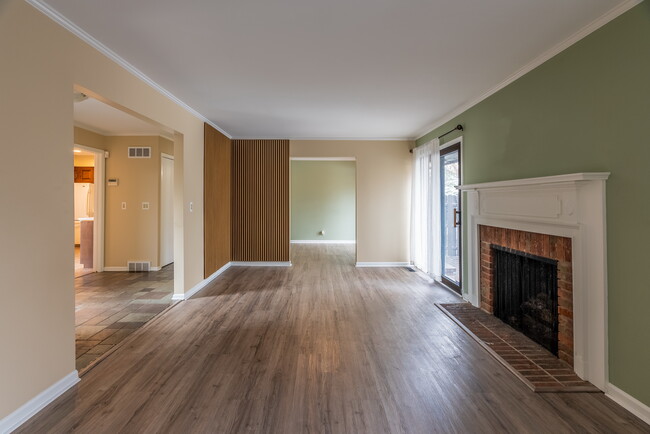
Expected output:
(571, 206)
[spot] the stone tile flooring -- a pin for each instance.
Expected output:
(532, 363)
(112, 305)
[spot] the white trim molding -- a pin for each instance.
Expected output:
(548, 54)
(14, 420)
(382, 264)
(261, 263)
(571, 206)
(323, 159)
(202, 284)
(323, 242)
(127, 269)
(628, 402)
(55, 16)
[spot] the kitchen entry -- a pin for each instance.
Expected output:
(86, 204)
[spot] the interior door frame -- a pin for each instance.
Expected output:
(446, 148)
(171, 158)
(100, 194)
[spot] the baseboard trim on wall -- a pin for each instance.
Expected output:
(202, 284)
(127, 268)
(383, 264)
(261, 264)
(37, 403)
(323, 242)
(629, 403)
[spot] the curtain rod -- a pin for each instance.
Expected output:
(458, 127)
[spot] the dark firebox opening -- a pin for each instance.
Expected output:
(525, 290)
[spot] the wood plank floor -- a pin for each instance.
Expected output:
(321, 347)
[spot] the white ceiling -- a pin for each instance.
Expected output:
(330, 68)
(106, 120)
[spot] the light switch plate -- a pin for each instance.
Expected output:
(145, 205)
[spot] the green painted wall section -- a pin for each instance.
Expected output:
(586, 109)
(323, 197)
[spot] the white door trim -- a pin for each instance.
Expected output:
(161, 261)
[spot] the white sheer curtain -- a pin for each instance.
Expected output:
(425, 209)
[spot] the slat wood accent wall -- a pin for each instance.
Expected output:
(260, 200)
(217, 200)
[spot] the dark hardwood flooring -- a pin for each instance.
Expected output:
(321, 347)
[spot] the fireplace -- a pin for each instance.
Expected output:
(526, 280)
(525, 288)
(561, 218)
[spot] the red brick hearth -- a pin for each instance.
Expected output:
(548, 246)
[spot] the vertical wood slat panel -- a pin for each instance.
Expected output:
(260, 211)
(217, 200)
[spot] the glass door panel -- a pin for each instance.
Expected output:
(450, 209)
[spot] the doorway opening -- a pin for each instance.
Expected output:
(323, 205)
(124, 210)
(88, 210)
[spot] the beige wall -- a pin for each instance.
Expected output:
(88, 138)
(41, 63)
(131, 234)
(383, 193)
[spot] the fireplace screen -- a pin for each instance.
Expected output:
(525, 291)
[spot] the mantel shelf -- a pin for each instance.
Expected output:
(571, 177)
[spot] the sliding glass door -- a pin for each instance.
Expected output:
(450, 218)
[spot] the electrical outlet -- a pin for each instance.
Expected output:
(191, 206)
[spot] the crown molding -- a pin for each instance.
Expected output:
(350, 139)
(580, 34)
(55, 16)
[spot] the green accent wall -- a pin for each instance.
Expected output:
(323, 197)
(585, 110)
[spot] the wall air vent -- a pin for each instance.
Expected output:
(139, 152)
(138, 266)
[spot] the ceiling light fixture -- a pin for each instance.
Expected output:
(79, 96)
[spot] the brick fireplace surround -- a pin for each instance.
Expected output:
(548, 246)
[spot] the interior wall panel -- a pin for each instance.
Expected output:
(260, 212)
(217, 200)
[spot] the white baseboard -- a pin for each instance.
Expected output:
(323, 242)
(37, 403)
(127, 269)
(202, 284)
(383, 264)
(116, 268)
(629, 403)
(261, 264)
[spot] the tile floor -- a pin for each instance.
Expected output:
(112, 305)
(534, 364)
